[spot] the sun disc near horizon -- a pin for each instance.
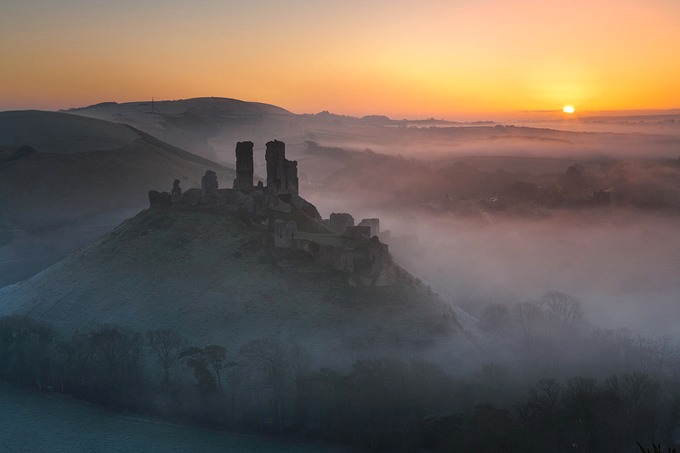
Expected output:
(568, 109)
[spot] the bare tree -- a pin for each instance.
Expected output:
(106, 364)
(167, 344)
(542, 401)
(266, 358)
(25, 345)
(562, 308)
(530, 317)
(638, 388)
(300, 360)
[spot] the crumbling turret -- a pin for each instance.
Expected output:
(358, 232)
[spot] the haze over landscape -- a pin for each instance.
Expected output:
(327, 225)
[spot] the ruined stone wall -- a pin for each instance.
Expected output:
(373, 224)
(358, 232)
(339, 258)
(339, 222)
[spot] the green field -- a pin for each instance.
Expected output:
(35, 422)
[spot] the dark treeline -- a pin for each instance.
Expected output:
(384, 404)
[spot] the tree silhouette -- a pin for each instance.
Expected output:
(196, 359)
(215, 355)
(268, 361)
(167, 344)
(562, 308)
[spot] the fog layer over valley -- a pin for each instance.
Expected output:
(623, 268)
(210, 126)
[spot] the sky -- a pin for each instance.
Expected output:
(396, 57)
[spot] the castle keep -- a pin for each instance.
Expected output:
(290, 223)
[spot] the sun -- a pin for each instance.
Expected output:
(568, 109)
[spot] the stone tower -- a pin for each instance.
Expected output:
(244, 167)
(275, 155)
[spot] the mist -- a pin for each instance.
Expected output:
(483, 211)
(625, 272)
(488, 229)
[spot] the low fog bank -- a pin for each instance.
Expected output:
(484, 230)
(440, 143)
(623, 264)
(625, 274)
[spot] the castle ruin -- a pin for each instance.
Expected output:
(290, 223)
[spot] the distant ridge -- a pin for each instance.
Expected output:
(219, 104)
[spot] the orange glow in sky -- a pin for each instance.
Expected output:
(401, 58)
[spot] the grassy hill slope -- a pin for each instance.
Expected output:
(201, 272)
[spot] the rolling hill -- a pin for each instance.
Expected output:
(66, 179)
(206, 273)
(205, 126)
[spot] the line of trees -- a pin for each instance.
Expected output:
(385, 404)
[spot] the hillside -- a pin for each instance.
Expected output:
(65, 180)
(201, 271)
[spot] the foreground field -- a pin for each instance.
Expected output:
(37, 422)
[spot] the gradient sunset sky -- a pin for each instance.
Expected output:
(397, 57)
